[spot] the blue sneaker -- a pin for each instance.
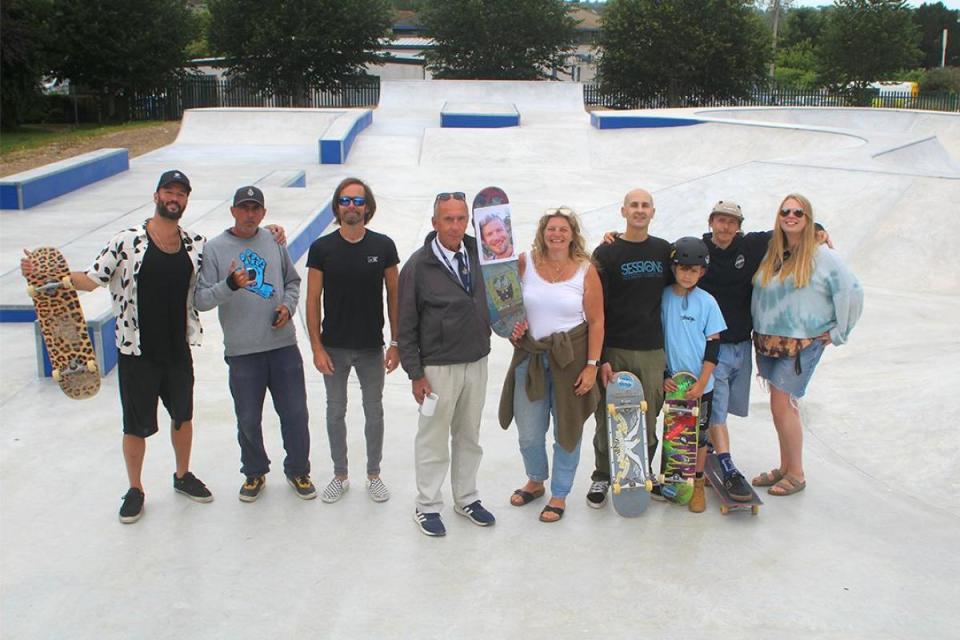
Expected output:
(430, 524)
(477, 514)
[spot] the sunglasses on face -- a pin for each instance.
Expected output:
(456, 195)
(563, 211)
(358, 201)
(796, 213)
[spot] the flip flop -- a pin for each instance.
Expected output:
(551, 509)
(767, 478)
(787, 485)
(526, 496)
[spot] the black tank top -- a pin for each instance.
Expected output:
(162, 285)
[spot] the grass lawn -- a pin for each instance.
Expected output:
(32, 136)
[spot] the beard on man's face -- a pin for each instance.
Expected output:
(164, 211)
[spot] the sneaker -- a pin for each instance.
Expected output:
(430, 524)
(597, 495)
(657, 492)
(738, 487)
(698, 502)
(190, 486)
(251, 488)
(377, 491)
(303, 487)
(476, 513)
(132, 507)
(335, 490)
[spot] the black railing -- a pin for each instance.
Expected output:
(934, 101)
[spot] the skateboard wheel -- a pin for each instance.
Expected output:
(661, 478)
(695, 411)
(643, 406)
(66, 283)
(755, 509)
(91, 365)
(55, 374)
(611, 408)
(648, 485)
(724, 509)
(616, 489)
(31, 291)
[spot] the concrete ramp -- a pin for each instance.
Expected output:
(926, 157)
(430, 95)
(249, 126)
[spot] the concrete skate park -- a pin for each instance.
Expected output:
(866, 551)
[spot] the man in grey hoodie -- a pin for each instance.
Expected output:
(254, 284)
(444, 341)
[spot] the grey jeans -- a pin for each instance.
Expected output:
(368, 364)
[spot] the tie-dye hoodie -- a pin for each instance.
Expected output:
(832, 301)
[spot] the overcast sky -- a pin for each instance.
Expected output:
(950, 4)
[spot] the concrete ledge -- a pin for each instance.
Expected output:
(309, 231)
(284, 179)
(616, 120)
(338, 138)
(30, 188)
(101, 327)
(479, 115)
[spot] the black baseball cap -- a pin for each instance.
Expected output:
(248, 194)
(174, 176)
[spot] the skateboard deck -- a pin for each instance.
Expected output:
(501, 276)
(714, 474)
(681, 419)
(62, 324)
(627, 435)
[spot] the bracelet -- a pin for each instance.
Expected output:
(394, 343)
(592, 362)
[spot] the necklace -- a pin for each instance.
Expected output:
(558, 270)
(166, 248)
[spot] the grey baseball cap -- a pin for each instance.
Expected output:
(728, 208)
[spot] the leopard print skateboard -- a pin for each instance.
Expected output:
(62, 324)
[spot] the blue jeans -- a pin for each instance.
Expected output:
(280, 371)
(368, 364)
(533, 421)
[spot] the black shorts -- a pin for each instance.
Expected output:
(143, 381)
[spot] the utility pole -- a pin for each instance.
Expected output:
(943, 50)
(775, 6)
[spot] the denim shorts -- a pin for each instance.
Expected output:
(782, 372)
(731, 381)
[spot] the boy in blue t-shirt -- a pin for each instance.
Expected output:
(692, 323)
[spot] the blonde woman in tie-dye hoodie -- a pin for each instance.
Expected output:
(804, 298)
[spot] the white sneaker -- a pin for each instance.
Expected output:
(377, 491)
(335, 490)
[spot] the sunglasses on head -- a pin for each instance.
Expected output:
(796, 213)
(456, 195)
(563, 211)
(358, 201)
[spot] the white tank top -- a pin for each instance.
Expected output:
(552, 306)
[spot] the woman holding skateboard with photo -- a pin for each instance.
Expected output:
(554, 365)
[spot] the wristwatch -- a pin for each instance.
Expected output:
(593, 362)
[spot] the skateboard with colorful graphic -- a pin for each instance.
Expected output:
(630, 482)
(62, 324)
(498, 260)
(714, 473)
(681, 419)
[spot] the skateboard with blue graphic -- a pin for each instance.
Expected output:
(630, 481)
(681, 418)
(498, 260)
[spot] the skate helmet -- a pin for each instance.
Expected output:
(690, 251)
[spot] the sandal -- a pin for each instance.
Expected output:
(526, 497)
(787, 485)
(767, 478)
(551, 509)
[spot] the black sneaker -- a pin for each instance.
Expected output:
(597, 495)
(132, 507)
(251, 488)
(190, 486)
(657, 492)
(738, 488)
(303, 486)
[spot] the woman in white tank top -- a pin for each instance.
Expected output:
(555, 358)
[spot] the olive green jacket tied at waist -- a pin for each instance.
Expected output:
(567, 354)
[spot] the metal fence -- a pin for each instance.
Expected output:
(209, 91)
(938, 101)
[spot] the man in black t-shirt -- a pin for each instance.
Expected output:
(347, 270)
(634, 269)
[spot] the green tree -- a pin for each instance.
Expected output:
(287, 47)
(941, 79)
(498, 39)
(117, 47)
(23, 58)
(932, 19)
(689, 49)
(803, 24)
(797, 67)
(867, 40)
